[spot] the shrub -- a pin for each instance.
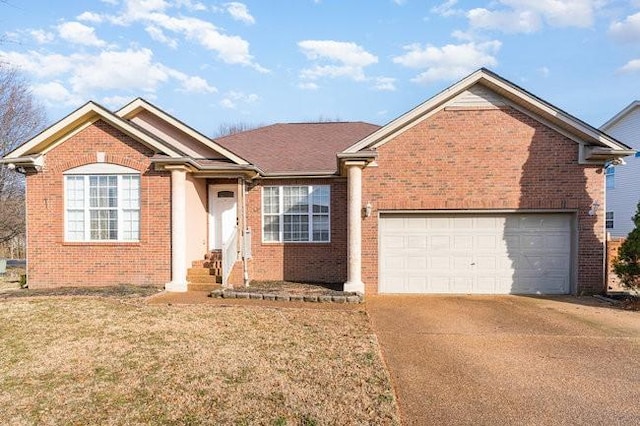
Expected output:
(627, 264)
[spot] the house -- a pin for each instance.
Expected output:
(622, 181)
(484, 188)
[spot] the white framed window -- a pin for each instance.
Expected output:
(296, 213)
(608, 220)
(610, 173)
(102, 207)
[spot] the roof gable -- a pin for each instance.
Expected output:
(495, 89)
(173, 127)
(84, 116)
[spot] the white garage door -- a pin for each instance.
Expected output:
(482, 254)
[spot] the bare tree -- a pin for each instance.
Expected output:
(227, 129)
(21, 117)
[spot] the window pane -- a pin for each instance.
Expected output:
(271, 201)
(104, 224)
(75, 192)
(75, 225)
(320, 199)
(103, 191)
(130, 192)
(296, 228)
(131, 225)
(271, 228)
(320, 228)
(296, 199)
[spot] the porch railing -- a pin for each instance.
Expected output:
(229, 255)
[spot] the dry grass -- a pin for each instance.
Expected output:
(95, 360)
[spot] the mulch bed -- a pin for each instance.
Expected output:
(288, 287)
(626, 301)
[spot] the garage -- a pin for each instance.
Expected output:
(511, 253)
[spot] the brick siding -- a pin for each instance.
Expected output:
(613, 282)
(54, 263)
(308, 262)
(485, 159)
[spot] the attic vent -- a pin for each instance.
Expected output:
(225, 194)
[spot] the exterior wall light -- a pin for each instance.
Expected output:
(594, 208)
(366, 210)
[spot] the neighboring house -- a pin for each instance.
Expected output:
(623, 192)
(484, 188)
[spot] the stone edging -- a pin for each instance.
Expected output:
(287, 297)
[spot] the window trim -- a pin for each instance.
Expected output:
(280, 214)
(100, 169)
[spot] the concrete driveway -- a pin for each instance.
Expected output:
(509, 359)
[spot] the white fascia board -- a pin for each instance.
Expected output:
(499, 85)
(133, 107)
(89, 112)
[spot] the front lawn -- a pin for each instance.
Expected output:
(97, 360)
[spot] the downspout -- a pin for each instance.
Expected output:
(245, 266)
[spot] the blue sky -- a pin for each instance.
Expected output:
(218, 62)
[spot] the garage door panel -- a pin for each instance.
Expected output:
(464, 253)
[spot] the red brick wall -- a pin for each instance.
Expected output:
(54, 263)
(485, 159)
(613, 282)
(307, 262)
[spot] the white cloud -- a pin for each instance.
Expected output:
(345, 52)
(229, 48)
(77, 33)
(524, 21)
(54, 93)
(116, 101)
(158, 35)
(544, 71)
(190, 5)
(447, 9)
(112, 2)
(528, 15)
(631, 66)
(195, 84)
(74, 78)
(41, 36)
(129, 69)
(351, 59)
(308, 86)
(627, 30)
(384, 84)
(92, 17)
(448, 62)
(240, 12)
(233, 99)
(45, 66)
(399, 2)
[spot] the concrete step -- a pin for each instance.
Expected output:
(203, 287)
(200, 271)
(204, 279)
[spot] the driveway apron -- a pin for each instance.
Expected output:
(491, 360)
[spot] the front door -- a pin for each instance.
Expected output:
(223, 214)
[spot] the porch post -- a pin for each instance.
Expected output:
(178, 230)
(354, 225)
